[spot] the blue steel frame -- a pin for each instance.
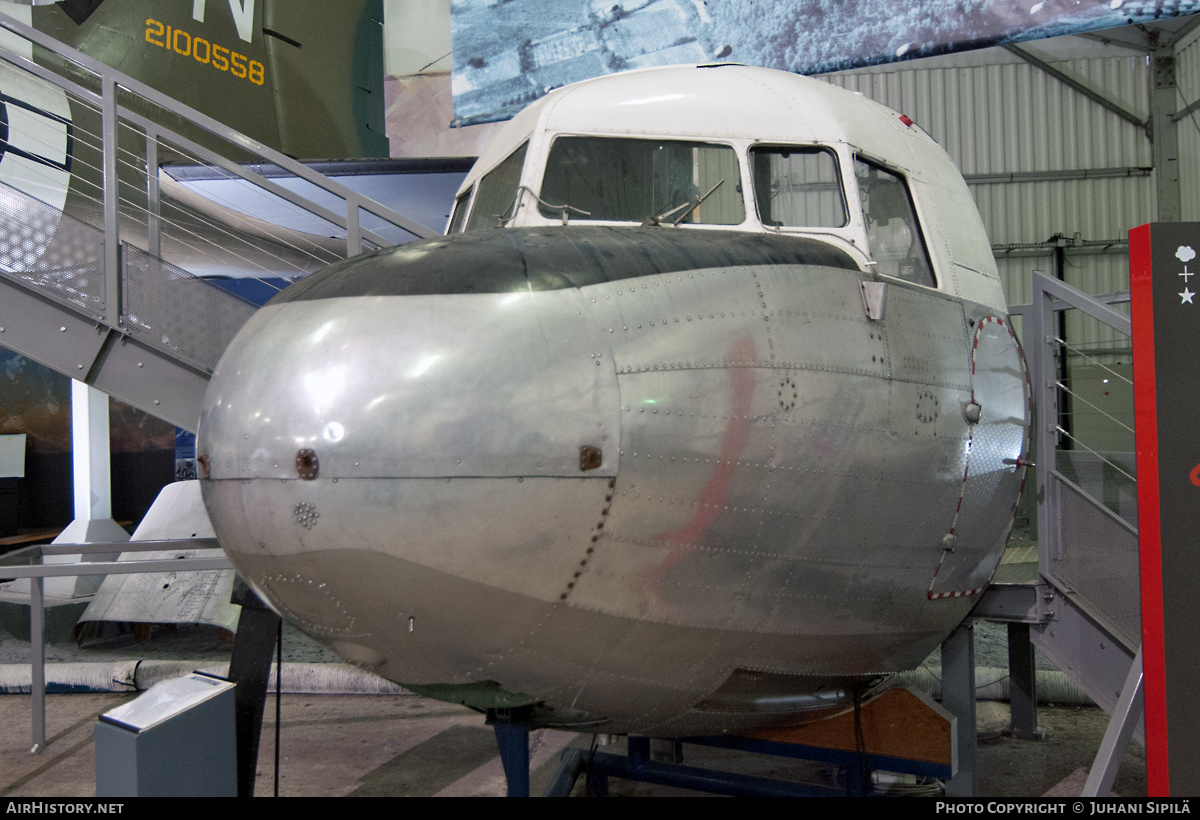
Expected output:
(637, 765)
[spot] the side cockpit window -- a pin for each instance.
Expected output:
(893, 232)
(798, 187)
(617, 179)
(458, 219)
(497, 194)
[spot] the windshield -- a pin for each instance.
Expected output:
(638, 180)
(497, 192)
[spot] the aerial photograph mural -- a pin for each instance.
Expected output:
(508, 53)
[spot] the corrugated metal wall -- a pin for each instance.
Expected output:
(1013, 118)
(1187, 77)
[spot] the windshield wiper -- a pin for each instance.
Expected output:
(690, 205)
(511, 211)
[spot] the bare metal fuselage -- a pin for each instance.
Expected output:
(661, 481)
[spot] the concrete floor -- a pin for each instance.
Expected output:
(362, 745)
(347, 745)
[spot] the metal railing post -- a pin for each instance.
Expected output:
(1045, 399)
(353, 231)
(153, 208)
(112, 235)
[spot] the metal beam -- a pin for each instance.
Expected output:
(1086, 246)
(1192, 22)
(1186, 112)
(118, 567)
(1164, 133)
(1087, 91)
(1125, 716)
(1126, 36)
(958, 698)
(1058, 176)
(1090, 305)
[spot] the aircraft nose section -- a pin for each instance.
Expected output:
(481, 385)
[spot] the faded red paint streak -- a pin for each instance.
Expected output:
(712, 497)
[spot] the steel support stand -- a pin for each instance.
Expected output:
(250, 669)
(512, 737)
(571, 764)
(1120, 729)
(958, 697)
(1022, 683)
(37, 640)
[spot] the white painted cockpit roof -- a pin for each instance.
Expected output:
(718, 102)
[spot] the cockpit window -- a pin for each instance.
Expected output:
(893, 232)
(498, 192)
(798, 187)
(642, 180)
(459, 217)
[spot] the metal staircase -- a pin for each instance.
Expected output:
(1088, 552)
(84, 289)
(1083, 603)
(171, 327)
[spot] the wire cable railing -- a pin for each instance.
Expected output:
(115, 179)
(191, 229)
(1080, 352)
(1078, 397)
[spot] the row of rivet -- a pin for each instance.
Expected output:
(742, 592)
(766, 318)
(608, 497)
(773, 418)
(763, 512)
(797, 558)
(894, 520)
(687, 318)
(881, 476)
(668, 280)
(781, 313)
(293, 579)
(852, 371)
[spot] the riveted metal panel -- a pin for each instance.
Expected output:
(780, 488)
(688, 503)
(994, 472)
(818, 322)
(436, 523)
(786, 474)
(412, 387)
(927, 339)
(677, 321)
(926, 459)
